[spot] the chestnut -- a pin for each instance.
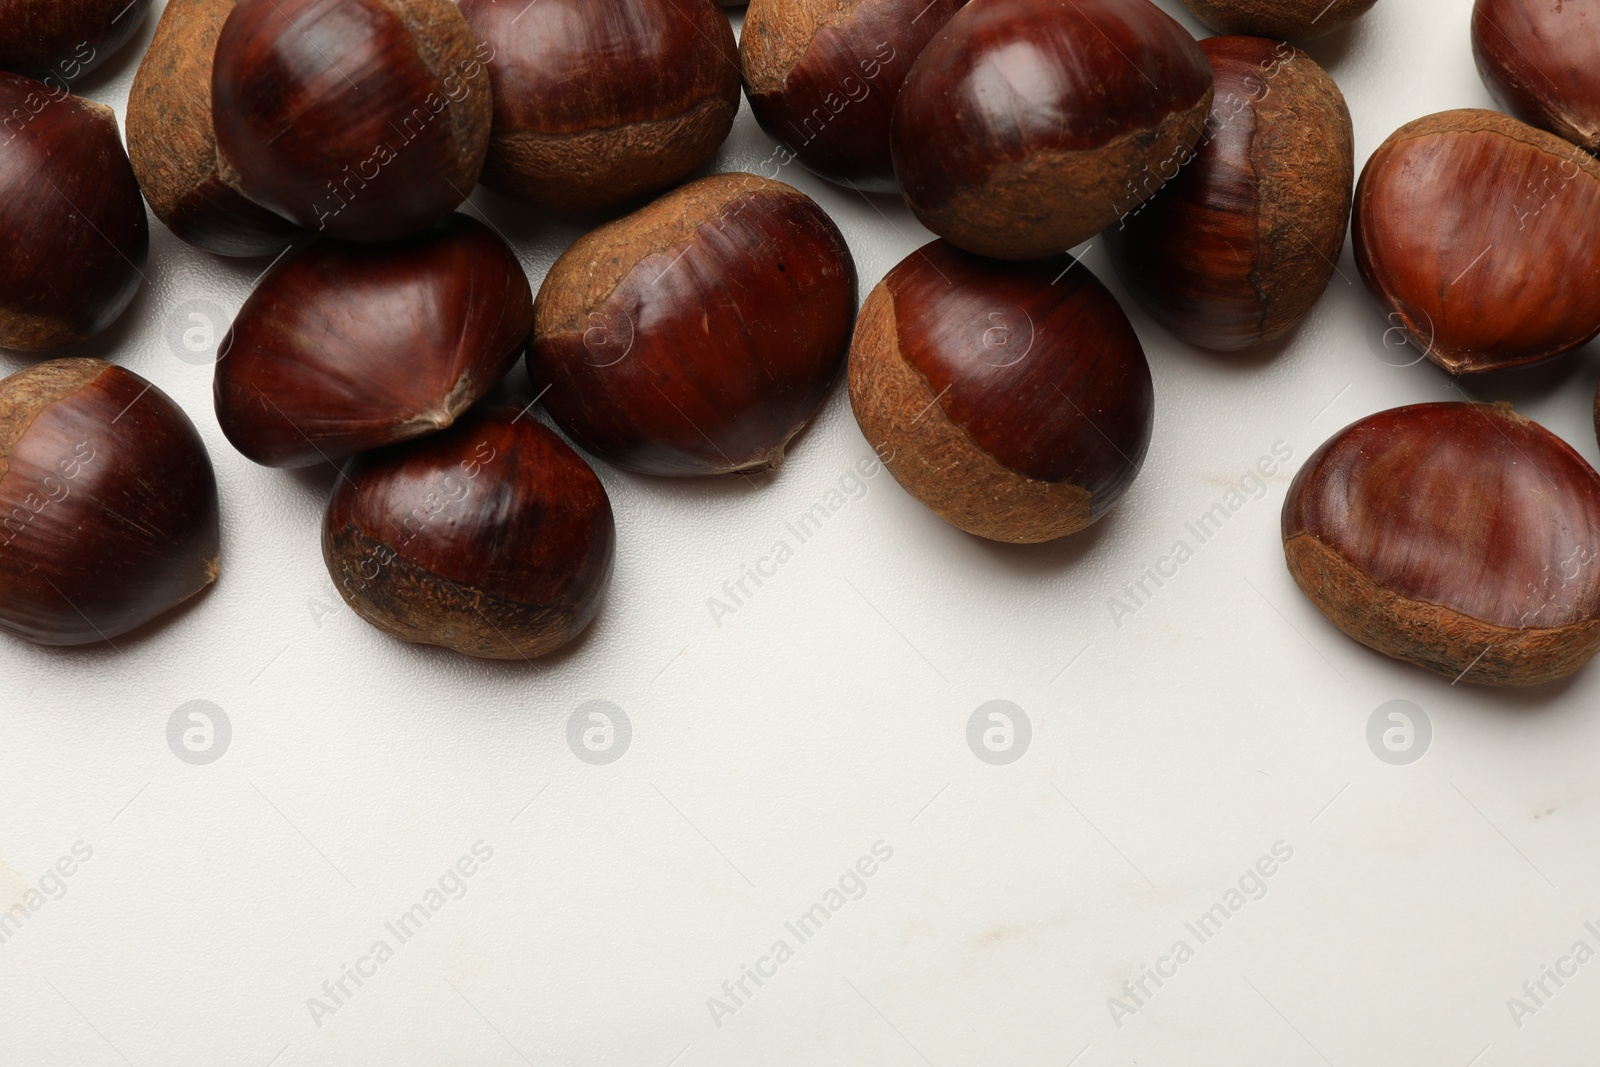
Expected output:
(1240, 245)
(1459, 537)
(108, 503)
(599, 104)
(1027, 126)
(1013, 399)
(366, 120)
(493, 538)
(174, 149)
(1300, 20)
(76, 235)
(342, 347)
(700, 333)
(62, 40)
(1482, 234)
(1541, 62)
(822, 80)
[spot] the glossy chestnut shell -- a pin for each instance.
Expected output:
(344, 347)
(1482, 236)
(822, 78)
(76, 238)
(365, 120)
(1013, 399)
(1239, 246)
(1459, 537)
(61, 40)
(173, 147)
(108, 503)
(1296, 20)
(1541, 62)
(1027, 126)
(699, 334)
(599, 104)
(493, 538)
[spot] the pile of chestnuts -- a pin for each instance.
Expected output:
(705, 318)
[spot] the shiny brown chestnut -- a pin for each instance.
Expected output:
(599, 104)
(700, 333)
(1296, 20)
(1481, 236)
(366, 120)
(1541, 62)
(343, 347)
(108, 503)
(493, 538)
(61, 40)
(1027, 126)
(173, 147)
(1459, 537)
(1013, 399)
(822, 79)
(76, 238)
(1239, 246)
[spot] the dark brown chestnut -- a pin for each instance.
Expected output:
(366, 120)
(1294, 20)
(1482, 236)
(700, 333)
(822, 77)
(1242, 242)
(108, 503)
(599, 104)
(76, 237)
(343, 347)
(1013, 399)
(493, 538)
(1027, 126)
(61, 40)
(172, 144)
(1541, 62)
(1459, 537)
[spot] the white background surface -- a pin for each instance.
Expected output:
(828, 713)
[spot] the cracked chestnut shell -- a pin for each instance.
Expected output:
(493, 539)
(599, 104)
(1541, 62)
(108, 503)
(76, 237)
(1239, 246)
(173, 147)
(1013, 399)
(1481, 235)
(1027, 126)
(1459, 537)
(700, 333)
(64, 39)
(1300, 20)
(366, 120)
(342, 347)
(823, 75)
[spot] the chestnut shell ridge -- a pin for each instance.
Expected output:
(1024, 125)
(493, 538)
(1239, 246)
(701, 333)
(1013, 399)
(366, 120)
(343, 347)
(108, 503)
(1483, 235)
(1538, 60)
(1460, 537)
(598, 104)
